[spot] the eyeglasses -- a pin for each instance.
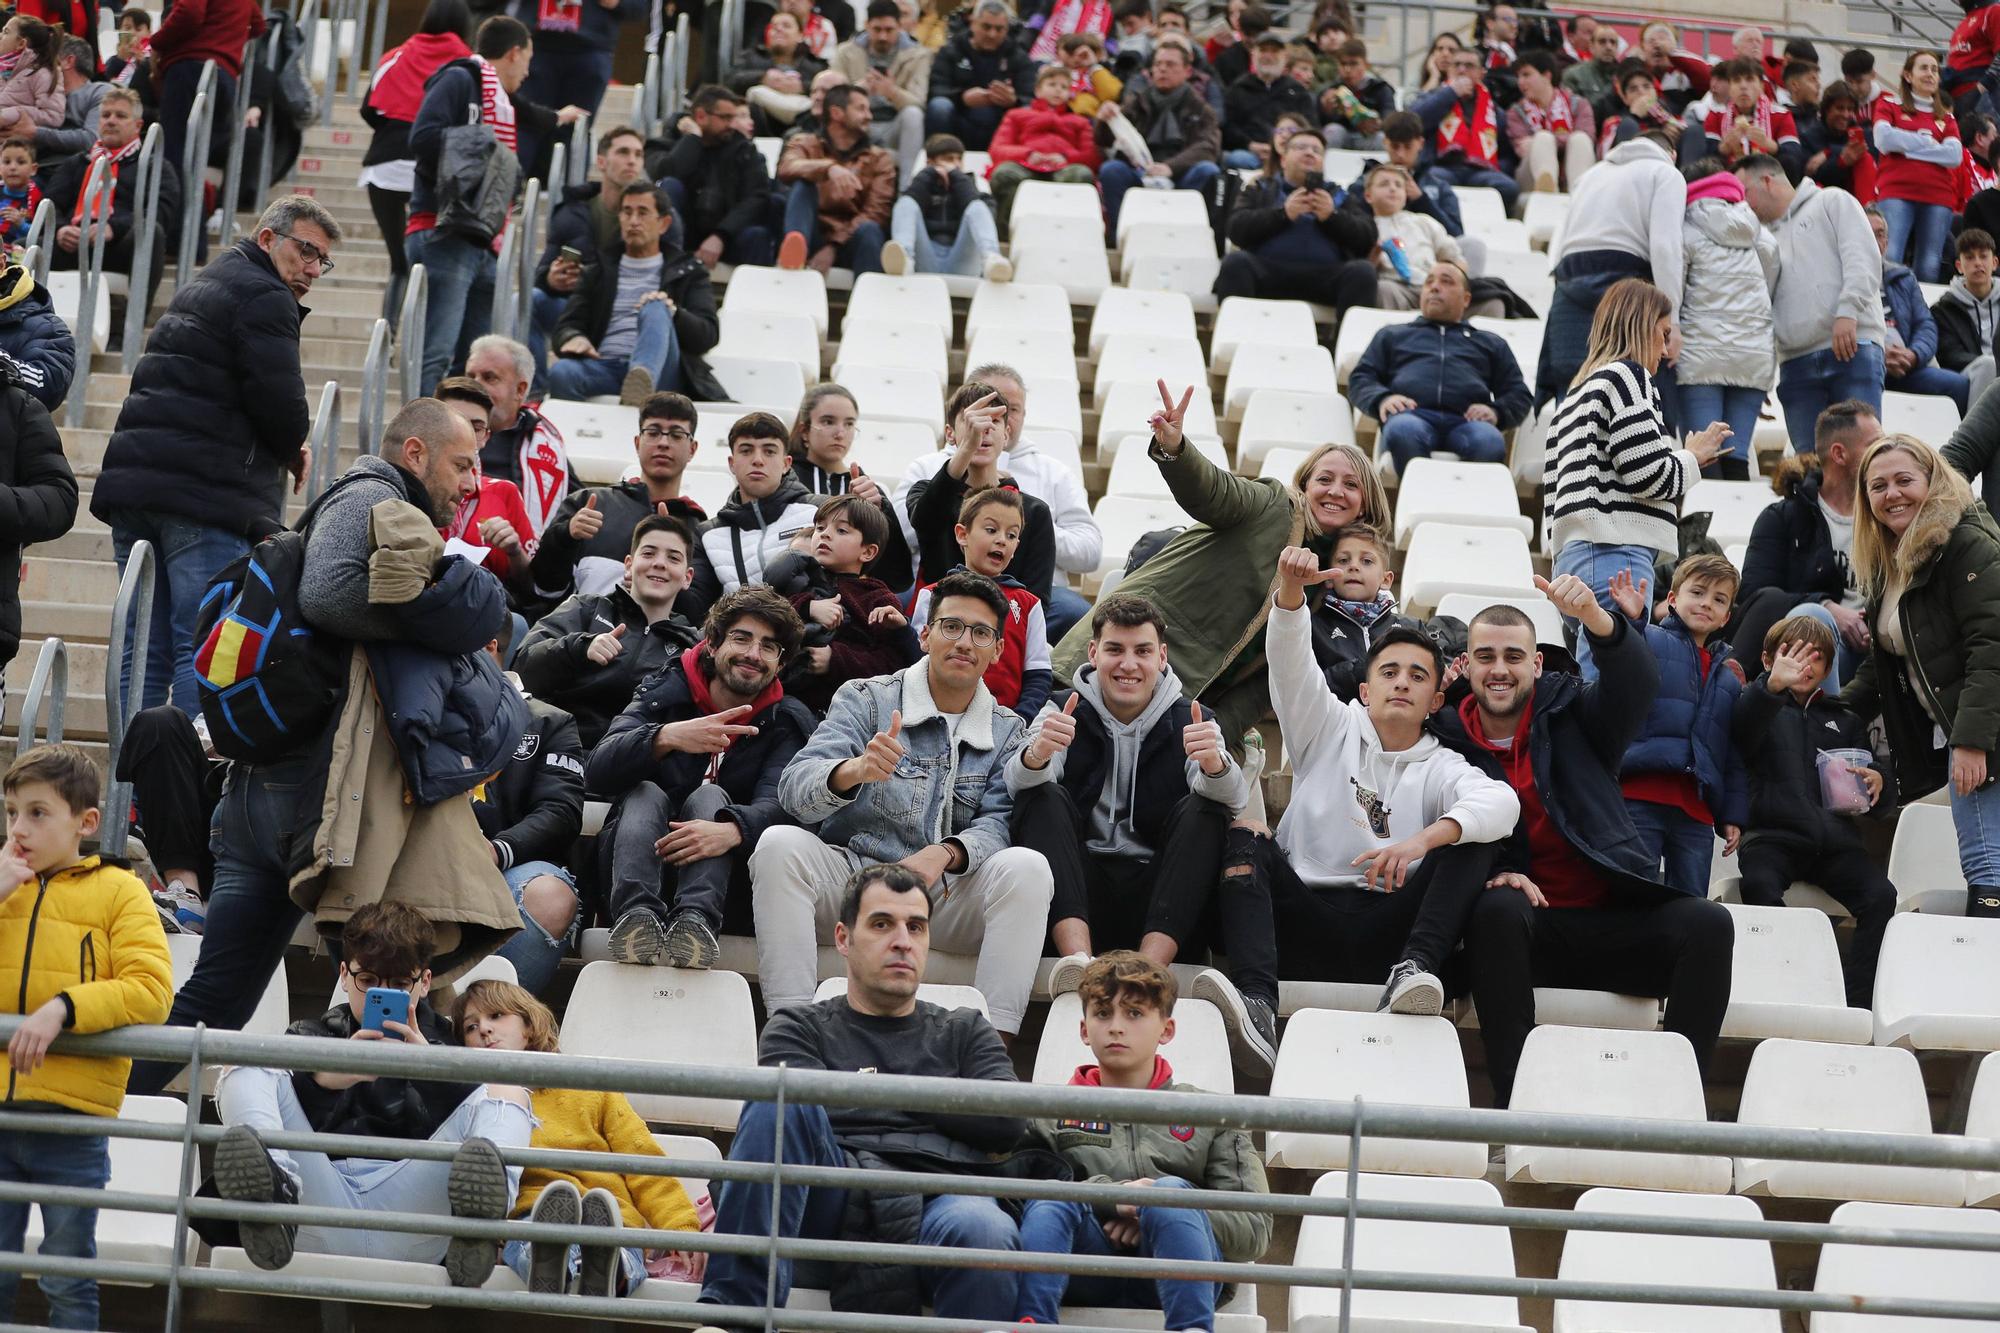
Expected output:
(953, 629)
(311, 253)
(480, 429)
(671, 434)
(369, 981)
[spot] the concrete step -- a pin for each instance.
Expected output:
(84, 714)
(74, 623)
(70, 582)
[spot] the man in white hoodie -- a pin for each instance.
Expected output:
(1388, 840)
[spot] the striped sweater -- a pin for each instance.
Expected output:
(1617, 476)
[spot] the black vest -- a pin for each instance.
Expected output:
(1162, 766)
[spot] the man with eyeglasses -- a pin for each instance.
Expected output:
(910, 768)
(583, 548)
(215, 419)
(521, 445)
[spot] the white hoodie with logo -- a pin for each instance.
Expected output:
(1349, 795)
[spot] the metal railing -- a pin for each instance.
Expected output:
(194, 172)
(530, 223)
(784, 1087)
(505, 310)
(410, 334)
(49, 682)
(98, 194)
(151, 168)
(267, 141)
(324, 441)
(131, 621)
(374, 387)
(41, 232)
(579, 154)
(232, 171)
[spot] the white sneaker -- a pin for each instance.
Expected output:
(1067, 975)
(1411, 990)
(999, 268)
(895, 259)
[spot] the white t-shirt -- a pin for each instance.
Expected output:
(1840, 527)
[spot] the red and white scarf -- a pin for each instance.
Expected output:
(496, 108)
(1478, 138)
(111, 157)
(543, 468)
(1067, 17)
(1556, 118)
(559, 16)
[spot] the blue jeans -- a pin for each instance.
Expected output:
(79, 1162)
(1684, 843)
(250, 913)
(658, 349)
(1935, 381)
(459, 307)
(1416, 432)
(536, 954)
(1065, 608)
(1846, 658)
(973, 124)
(1052, 1226)
(748, 245)
(862, 252)
(1465, 173)
(1977, 819)
(976, 239)
(1595, 563)
(1809, 384)
(1917, 234)
(187, 557)
(1114, 178)
(1240, 159)
(815, 1212)
(545, 309)
(1729, 403)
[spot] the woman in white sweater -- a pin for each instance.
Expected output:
(1615, 476)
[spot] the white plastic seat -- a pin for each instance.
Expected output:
(1442, 1249)
(1292, 417)
(597, 437)
(788, 291)
(1401, 1059)
(905, 344)
(1787, 979)
(270, 1019)
(1982, 1121)
(1051, 443)
(1477, 495)
(1544, 213)
(1149, 358)
(1344, 164)
(1281, 464)
(1189, 207)
(885, 448)
(945, 997)
(1030, 351)
(1734, 505)
(1307, 367)
(1159, 314)
(1123, 519)
(751, 331)
(1530, 277)
(1053, 404)
(1133, 472)
(756, 379)
(1452, 557)
(1128, 406)
(1199, 1051)
(1903, 1270)
(1082, 274)
(913, 298)
(1863, 1089)
(1923, 862)
(1508, 234)
(1595, 1071)
(1147, 239)
(1245, 319)
(1465, 605)
(895, 393)
(138, 1166)
(1480, 207)
(772, 148)
(1934, 984)
(1930, 417)
(66, 296)
(668, 1015)
(708, 488)
(1358, 328)
(1523, 338)
(1043, 307)
(1191, 275)
(1656, 1259)
(1055, 199)
(1054, 233)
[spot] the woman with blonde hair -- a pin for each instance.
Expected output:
(1927, 554)
(1615, 475)
(498, 1015)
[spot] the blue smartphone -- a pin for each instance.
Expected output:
(385, 1004)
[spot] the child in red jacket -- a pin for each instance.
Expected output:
(854, 627)
(989, 531)
(1043, 140)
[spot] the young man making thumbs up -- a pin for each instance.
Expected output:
(1126, 787)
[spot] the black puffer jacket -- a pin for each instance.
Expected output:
(1780, 740)
(685, 281)
(217, 408)
(389, 1108)
(37, 498)
(934, 506)
(554, 660)
(35, 342)
(1790, 548)
(534, 809)
(728, 184)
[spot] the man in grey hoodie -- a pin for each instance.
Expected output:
(1827, 306)
(1969, 312)
(1127, 788)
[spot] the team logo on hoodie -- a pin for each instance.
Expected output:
(1371, 806)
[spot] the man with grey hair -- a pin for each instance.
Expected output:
(522, 447)
(978, 75)
(81, 94)
(215, 419)
(121, 125)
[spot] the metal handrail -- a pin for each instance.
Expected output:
(51, 675)
(579, 151)
(410, 333)
(36, 262)
(232, 171)
(531, 219)
(98, 194)
(151, 168)
(194, 172)
(558, 178)
(267, 144)
(41, 224)
(377, 40)
(506, 279)
(374, 387)
(131, 613)
(325, 442)
(666, 93)
(683, 54)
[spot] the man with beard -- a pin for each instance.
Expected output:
(1574, 902)
(693, 764)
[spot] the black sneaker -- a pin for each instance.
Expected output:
(636, 938)
(1412, 990)
(548, 1260)
(1252, 1026)
(690, 941)
(477, 1187)
(245, 1172)
(599, 1273)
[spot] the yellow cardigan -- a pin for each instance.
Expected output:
(604, 1122)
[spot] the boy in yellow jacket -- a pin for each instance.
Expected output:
(81, 950)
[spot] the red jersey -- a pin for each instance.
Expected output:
(1767, 116)
(494, 499)
(1565, 876)
(1973, 43)
(1899, 176)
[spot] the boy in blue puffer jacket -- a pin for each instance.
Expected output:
(1683, 780)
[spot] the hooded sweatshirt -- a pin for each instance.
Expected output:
(1113, 831)
(747, 535)
(1634, 202)
(1732, 264)
(1349, 795)
(1829, 268)
(1966, 324)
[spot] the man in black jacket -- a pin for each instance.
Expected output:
(584, 221)
(1255, 101)
(978, 75)
(720, 184)
(1575, 902)
(693, 764)
(120, 137)
(1296, 240)
(878, 1026)
(642, 315)
(215, 418)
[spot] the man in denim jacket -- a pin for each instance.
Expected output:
(908, 768)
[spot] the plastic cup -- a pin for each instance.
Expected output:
(1841, 789)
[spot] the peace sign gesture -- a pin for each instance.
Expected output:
(1166, 422)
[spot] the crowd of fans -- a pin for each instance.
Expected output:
(870, 714)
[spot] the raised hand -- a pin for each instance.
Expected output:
(604, 649)
(1166, 422)
(970, 430)
(1791, 665)
(862, 486)
(1298, 569)
(892, 616)
(1053, 735)
(585, 522)
(1201, 741)
(1630, 598)
(1573, 597)
(710, 734)
(884, 752)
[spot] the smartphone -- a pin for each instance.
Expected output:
(1314, 182)
(385, 1004)
(571, 253)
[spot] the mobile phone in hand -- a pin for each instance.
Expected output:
(571, 253)
(385, 1004)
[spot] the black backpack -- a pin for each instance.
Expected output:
(268, 681)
